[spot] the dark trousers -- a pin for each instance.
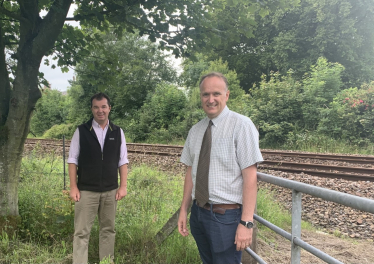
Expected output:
(215, 235)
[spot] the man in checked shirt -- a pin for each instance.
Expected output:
(97, 152)
(222, 227)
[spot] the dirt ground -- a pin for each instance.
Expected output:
(273, 248)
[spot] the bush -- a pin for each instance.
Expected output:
(58, 131)
(50, 110)
(351, 116)
(276, 108)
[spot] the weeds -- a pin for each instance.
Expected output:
(46, 231)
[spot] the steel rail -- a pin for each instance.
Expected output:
(325, 174)
(318, 166)
(319, 156)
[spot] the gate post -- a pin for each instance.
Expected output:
(296, 226)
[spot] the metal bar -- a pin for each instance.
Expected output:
(299, 242)
(353, 201)
(273, 227)
(255, 256)
(296, 226)
(316, 252)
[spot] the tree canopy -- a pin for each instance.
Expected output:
(339, 30)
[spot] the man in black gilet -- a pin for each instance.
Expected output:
(97, 152)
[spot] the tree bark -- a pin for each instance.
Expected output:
(37, 37)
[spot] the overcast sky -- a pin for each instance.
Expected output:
(55, 77)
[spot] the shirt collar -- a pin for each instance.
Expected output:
(95, 124)
(221, 116)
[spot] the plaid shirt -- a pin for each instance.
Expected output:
(235, 147)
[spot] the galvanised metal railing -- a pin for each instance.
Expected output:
(298, 188)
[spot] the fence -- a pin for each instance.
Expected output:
(298, 188)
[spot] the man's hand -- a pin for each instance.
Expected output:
(243, 237)
(182, 223)
(75, 194)
(121, 192)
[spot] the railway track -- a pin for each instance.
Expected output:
(274, 160)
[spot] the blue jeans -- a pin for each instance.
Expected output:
(215, 235)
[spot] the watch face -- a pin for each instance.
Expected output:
(248, 224)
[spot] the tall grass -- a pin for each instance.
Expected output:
(314, 142)
(46, 231)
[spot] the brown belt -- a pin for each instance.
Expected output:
(219, 208)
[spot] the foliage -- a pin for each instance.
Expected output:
(50, 110)
(275, 108)
(320, 86)
(283, 107)
(58, 131)
(79, 104)
(161, 116)
(140, 66)
(351, 115)
(192, 70)
(338, 30)
(318, 141)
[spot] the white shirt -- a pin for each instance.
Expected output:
(100, 133)
(235, 146)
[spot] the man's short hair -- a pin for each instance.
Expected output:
(99, 97)
(214, 74)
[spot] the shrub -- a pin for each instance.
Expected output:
(58, 131)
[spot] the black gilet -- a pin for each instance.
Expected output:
(98, 171)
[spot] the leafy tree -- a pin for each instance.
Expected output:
(26, 37)
(320, 86)
(50, 110)
(140, 66)
(192, 69)
(339, 30)
(161, 116)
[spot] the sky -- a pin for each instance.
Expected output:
(59, 80)
(56, 77)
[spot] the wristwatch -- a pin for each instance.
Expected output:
(247, 224)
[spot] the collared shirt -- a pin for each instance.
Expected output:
(235, 146)
(100, 133)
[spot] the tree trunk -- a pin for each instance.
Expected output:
(37, 37)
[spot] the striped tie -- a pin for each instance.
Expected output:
(202, 174)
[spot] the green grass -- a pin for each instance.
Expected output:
(273, 212)
(313, 142)
(46, 230)
(45, 233)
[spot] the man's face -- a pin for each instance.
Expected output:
(100, 110)
(213, 96)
